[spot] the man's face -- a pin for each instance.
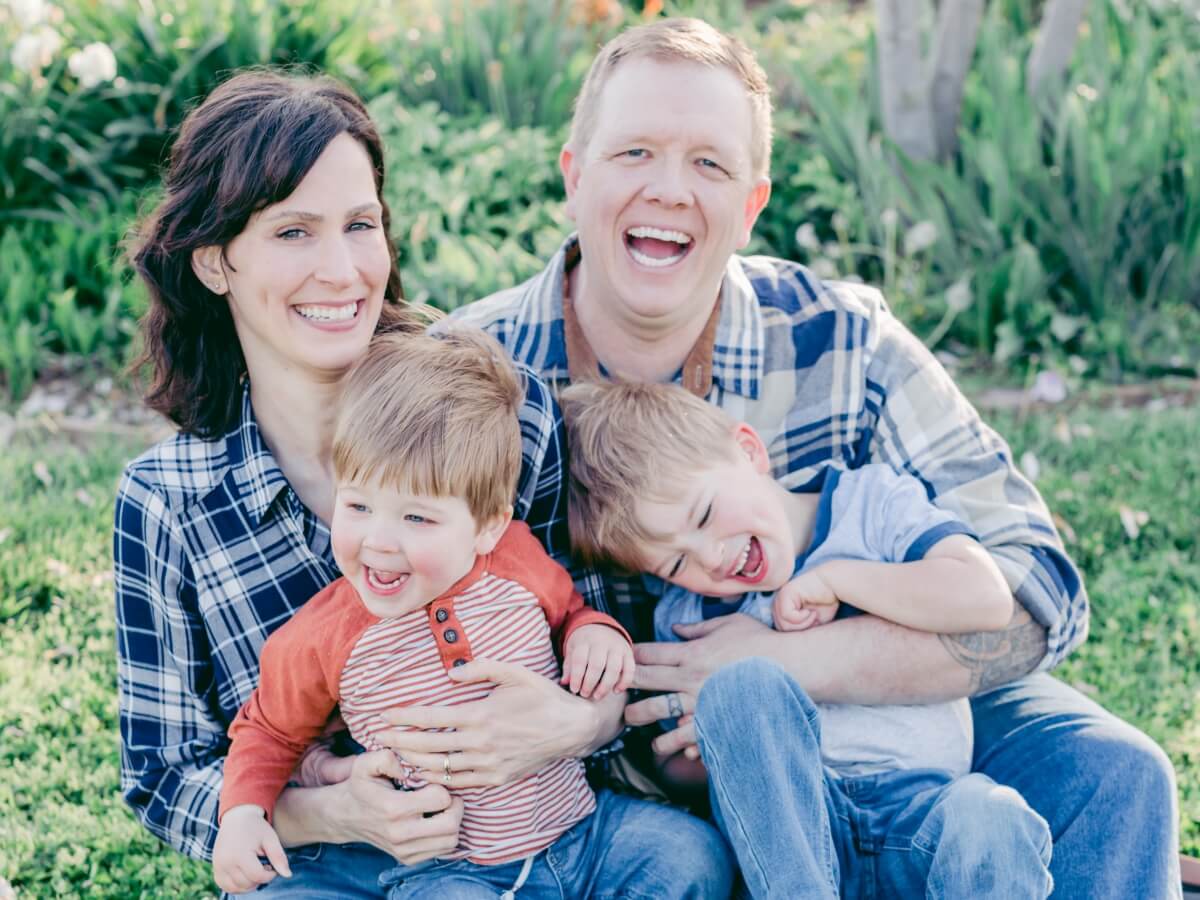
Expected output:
(663, 194)
(726, 530)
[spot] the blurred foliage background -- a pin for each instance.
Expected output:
(1062, 234)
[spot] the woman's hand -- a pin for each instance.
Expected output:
(526, 723)
(411, 826)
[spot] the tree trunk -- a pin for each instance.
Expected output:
(957, 31)
(1054, 44)
(903, 80)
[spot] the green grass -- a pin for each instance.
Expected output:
(64, 830)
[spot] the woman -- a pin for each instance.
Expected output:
(270, 268)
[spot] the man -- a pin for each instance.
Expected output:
(666, 171)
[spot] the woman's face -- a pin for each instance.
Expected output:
(306, 277)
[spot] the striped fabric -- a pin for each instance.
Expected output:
(212, 552)
(396, 662)
(829, 377)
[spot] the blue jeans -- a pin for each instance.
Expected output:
(800, 831)
(627, 848)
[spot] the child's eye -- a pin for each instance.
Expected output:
(358, 507)
(675, 569)
(635, 153)
(707, 163)
(417, 520)
(707, 515)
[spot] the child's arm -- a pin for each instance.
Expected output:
(245, 835)
(597, 660)
(956, 587)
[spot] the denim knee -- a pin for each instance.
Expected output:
(978, 821)
(739, 697)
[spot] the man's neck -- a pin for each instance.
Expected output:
(648, 350)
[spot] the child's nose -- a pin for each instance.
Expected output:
(383, 540)
(713, 556)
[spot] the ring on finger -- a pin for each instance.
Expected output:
(674, 706)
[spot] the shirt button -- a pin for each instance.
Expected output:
(441, 615)
(459, 662)
(450, 635)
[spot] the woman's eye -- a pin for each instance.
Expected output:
(292, 234)
(362, 226)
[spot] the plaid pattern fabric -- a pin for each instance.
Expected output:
(828, 377)
(212, 552)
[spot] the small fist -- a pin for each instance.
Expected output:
(244, 837)
(804, 602)
(598, 660)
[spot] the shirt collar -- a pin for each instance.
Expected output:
(728, 353)
(258, 477)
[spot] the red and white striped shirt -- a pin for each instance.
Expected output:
(512, 606)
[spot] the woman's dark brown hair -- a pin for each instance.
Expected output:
(247, 146)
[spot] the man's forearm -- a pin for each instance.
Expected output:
(869, 660)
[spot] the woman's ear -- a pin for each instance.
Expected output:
(206, 263)
(490, 532)
(753, 447)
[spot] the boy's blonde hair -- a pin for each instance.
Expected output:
(680, 40)
(435, 415)
(631, 442)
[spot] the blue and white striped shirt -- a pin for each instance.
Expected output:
(213, 551)
(829, 377)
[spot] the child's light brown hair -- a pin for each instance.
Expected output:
(679, 40)
(435, 415)
(631, 442)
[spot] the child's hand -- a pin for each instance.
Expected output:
(598, 660)
(246, 835)
(805, 601)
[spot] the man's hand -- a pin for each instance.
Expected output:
(805, 601)
(597, 661)
(527, 722)
(244, 836)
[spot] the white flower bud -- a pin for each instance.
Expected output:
(920, 237)
(93, 65)
(806, 237)
(35, 50)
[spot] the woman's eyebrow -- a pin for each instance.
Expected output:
(303, 216)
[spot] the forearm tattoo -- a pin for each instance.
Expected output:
(997, 657)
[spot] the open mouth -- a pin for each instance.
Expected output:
(382, 582)
(657, 248)
(751, 564)
(333, 313)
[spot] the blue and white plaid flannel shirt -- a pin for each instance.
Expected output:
(829, 377)
(212, 552)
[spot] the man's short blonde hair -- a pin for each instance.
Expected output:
(632, 442)
(680, 40)
(434, 415)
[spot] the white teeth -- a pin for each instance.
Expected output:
(653, 262)
(742, 559)
(376, 581)
(338, 313)
(660, 234)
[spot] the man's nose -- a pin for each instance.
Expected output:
(668, 185)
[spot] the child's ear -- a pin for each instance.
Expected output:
(490, 532)
(752, 445)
